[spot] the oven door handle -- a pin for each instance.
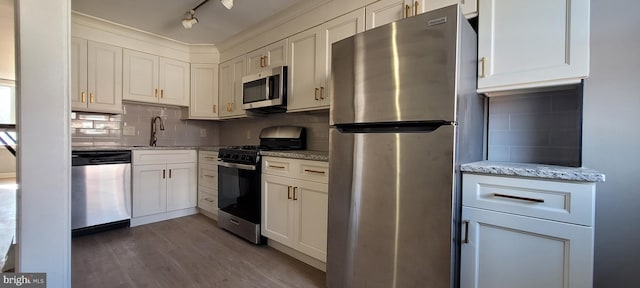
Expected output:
(236, 165)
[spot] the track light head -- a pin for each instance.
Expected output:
(227, 3)
(189, 20)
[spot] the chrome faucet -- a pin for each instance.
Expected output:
(154, 139)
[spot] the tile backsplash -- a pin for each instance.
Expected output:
(247, 131)
(133, 128)
(543, 127)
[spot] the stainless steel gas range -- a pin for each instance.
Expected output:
(239, 181)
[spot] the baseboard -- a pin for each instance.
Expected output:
(208, 214)
(313, 262)
(7, 175)
(137, 221)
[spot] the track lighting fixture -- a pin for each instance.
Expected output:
(190, 18)
(227, 3)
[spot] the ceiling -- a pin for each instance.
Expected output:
(163, 17)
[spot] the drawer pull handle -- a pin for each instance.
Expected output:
(234, 221)
(274, 166)
(210, 176)
(210, 158)
(208, 199)
(466, 231)
(314, 171)
(519, 198)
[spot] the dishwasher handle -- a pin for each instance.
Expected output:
(82, 158)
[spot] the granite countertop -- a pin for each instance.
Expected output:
(112, 148)
(299, 154)
(210, 148)
(534, 170)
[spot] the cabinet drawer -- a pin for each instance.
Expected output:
(277, 166)
(317, 171)
(208, 157)
(571, 202)
(208, 199)
(208, 176)
(144, 157)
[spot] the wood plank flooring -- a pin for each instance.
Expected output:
(7, 215)
(190, 251)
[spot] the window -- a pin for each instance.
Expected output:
(7, 103)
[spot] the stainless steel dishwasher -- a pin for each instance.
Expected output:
(100, 191)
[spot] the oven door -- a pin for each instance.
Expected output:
(239, 190)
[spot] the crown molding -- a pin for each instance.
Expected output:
(296, 19)
(272, 22)
(101, 30)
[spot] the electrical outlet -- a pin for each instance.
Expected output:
(248, 134)
(129, 131)
(203, 132)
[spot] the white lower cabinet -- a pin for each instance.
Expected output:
(149, 190)
(208, 183)
(164, 185)
(505, 245)
(295, 204)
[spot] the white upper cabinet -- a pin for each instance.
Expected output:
(387, 11)
(469, 7)
(140, 76)
(305, 73)
(384, 12)
(174, 82)
(153, 79)
(310, 61)
(96, 76)
(272, 55)
(230, 91)
(530, 44)
(203, 102)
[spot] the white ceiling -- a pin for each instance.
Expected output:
(163, 17)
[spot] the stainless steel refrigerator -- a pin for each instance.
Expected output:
(404, 116)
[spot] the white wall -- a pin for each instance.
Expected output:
(44, 159)
(7, 71)
(7, 50)
(611, 139)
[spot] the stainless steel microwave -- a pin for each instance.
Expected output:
(266, 90)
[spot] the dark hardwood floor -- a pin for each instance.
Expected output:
(190, 251)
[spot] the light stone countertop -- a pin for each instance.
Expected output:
(299, 154)
(113, 148)
(534, 170)
(210, 148)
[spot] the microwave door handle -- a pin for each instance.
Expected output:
(268, 86)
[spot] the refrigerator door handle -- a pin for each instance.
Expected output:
(394, 127)
(466, 232)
